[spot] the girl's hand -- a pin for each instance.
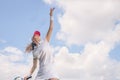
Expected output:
(51, 11)
(25, 78)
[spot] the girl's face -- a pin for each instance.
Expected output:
(36, 38)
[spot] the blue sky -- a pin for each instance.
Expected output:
(115, 53)
(20, 18)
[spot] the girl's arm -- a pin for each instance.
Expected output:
(51, 25)
(32, 69)
(34, 66)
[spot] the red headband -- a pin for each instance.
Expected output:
(36, 33)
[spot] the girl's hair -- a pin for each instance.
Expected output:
(30, 47)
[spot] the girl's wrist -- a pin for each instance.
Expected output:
(28, 77)
(29, 74)
(51, 18)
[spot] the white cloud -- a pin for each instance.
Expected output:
(14, 63)
(13, 50)
(14, 54)
(49, 1)
(93, 63)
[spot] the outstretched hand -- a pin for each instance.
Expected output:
(51, 11)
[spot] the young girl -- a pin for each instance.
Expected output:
(41, 51)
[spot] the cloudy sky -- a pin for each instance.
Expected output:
(85, 39)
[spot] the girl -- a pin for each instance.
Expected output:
(41, 51)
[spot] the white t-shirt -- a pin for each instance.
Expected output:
(46, 61)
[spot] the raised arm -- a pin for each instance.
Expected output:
(48, 36)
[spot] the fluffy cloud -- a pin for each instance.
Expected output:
(14, 63)
(88, 65)
(13, 53)
(93, 63)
